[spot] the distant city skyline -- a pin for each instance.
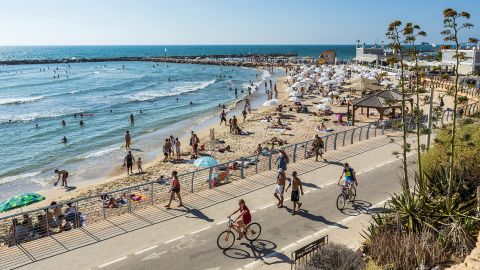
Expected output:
(218, 22)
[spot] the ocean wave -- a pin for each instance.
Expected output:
(100, 153)
(18, 100)
(30, 116)
(17, 177)
(180, 89)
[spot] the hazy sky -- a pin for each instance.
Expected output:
(104, 22)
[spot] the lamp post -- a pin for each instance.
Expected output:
(430, 109)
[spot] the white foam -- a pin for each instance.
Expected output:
(183, 88)
(100, 152)
(19, 100)
(18, 177)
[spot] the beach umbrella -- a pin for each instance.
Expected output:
(333, 93)
(20, 200)
(294, 94)
(295, 99)
(271, 103)
(324, 107)
(205, 162)
(327, 100)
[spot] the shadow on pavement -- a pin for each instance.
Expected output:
(197, 214)
(304, 213)
(253, 250)
(358, 207)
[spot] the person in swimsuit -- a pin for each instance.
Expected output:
(318, 146)
(243, 219)
(297, 188)
(177, 148)
(128, 139)
(279, 187)
(128, 161)
(223, 117)
(61, 174)
(175, 190)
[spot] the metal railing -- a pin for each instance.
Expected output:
(92, 215)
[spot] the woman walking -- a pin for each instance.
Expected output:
(174, 190)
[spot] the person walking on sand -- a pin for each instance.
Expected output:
(234, 124)
(175, 190)
(297, 189)
(196, 142)
(63, 175)
(128, 162)
(139, 165)
(166, 150)
(280, 187)
(177, 148)
(244, 113)
(223, 117)
(128, 139)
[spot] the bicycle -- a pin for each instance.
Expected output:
(227, 238)
(344, 195)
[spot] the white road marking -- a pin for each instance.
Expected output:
(305, 238)
(145, 250)
(266, 206)
(154, 255)
(253, 211)
(388, 162)
(322, 231)
(201, 230)
(288, 246)
(308, 191)
(174, 239)
(359, 173)
(367, 170)
(222, 222)
(378, 166)
(112, 262)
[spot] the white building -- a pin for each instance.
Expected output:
(369, 55)
(470, 66)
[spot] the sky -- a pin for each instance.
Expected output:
(194, 22)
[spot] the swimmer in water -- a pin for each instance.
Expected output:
(191, 103)
(63, 123)
(64, 140)
(81, 123)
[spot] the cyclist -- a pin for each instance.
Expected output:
(245, 216)
(350, 179)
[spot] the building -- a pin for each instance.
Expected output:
(372, 55)
(470, 66)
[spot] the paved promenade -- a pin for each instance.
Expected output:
(186, 239)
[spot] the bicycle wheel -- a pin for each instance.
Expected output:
(253, 231)
(226, 239)
(341, 199)
(354, 194)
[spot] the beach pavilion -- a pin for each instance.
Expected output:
(381, 101)
(364, 85)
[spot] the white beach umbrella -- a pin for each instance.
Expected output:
(333, 93)
(324, 107)
(327, 100)
(295, 99)
(289, 78)
(271, 103)
(297, 84)
(294, 94)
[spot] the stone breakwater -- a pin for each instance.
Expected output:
(224, 60)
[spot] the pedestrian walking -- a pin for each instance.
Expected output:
(175, 190)
(297, 189)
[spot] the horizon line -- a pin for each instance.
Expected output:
(200, 44)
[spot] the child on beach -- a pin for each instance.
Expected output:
(139, 165)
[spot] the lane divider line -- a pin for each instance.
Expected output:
(266, 206)
(248, 265)
(174, 239)
(222, 222)
(305, 238)
(288, 246)
(201, 230)
(145, 250)
(112, 262)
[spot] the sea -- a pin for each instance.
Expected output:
(164, 98)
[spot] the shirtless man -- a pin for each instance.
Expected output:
(128, 162)
(279, 187)
(128, 139)
(223, 117)
(61, 174)
(296, 187)
(234, 124)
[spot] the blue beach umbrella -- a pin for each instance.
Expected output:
(205, 162)
(20, 200)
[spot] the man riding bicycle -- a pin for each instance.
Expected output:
(245, 216)
(350, 179)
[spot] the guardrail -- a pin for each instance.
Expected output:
(305, 253)
(83, 213)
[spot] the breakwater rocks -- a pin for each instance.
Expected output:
(224, 60)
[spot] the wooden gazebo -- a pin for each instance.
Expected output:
(381, 101)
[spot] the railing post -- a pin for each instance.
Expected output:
(270, 162)
(344, 135)
(103, 206)
(241, 169)
(77, 215)
(368, 131)
(191, 184)
(335, 142)
(325, 144)
(256, 163)
(129, 201)
(294, 158)
(383, 127)
(151, 194)
(353, 133)
(305, 150)
(360, 133)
